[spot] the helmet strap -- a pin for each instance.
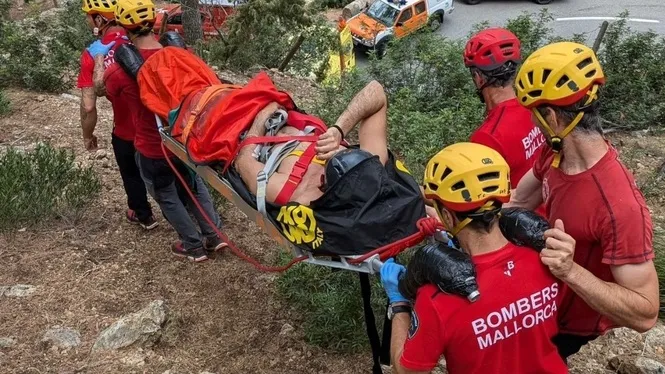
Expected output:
(557, 139)
(487, 212)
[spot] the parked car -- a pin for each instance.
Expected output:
(213, 15)
(384, 20)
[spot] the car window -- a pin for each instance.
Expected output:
(175, 19)
(406, 14)
(420, 7)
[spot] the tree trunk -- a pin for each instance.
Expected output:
(191, 21)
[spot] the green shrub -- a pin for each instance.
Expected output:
(261, 32)
(43, 54)
(331, 305)
(5, 105)
(633, 63)
(41, 184)
(331, 4)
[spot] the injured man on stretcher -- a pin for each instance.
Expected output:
(331, 159)
(327, 196)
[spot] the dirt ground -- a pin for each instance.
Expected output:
(226, 316)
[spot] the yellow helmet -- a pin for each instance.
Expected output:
(559, 74)
(103, 7)
(133, 14)
(465, 176)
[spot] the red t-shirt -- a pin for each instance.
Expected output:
(147, 140)
(604, 210)
(88, 63)
(122, 125)
(509, 130)
(507, 330)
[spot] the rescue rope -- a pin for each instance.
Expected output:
(426, 227)
(223, 236)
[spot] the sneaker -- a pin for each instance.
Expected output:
(214, 244)
(196, 254)
(132, 217)
(150, 223)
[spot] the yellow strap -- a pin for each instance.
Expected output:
(314, 160)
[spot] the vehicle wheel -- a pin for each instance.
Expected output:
(435, 22)
(381, 49)
(472, 2)
(542, 2)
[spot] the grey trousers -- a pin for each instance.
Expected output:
(165, 187)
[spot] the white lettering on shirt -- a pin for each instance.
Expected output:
(519, 315)
(532, 142)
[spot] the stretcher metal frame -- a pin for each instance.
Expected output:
(370, 266)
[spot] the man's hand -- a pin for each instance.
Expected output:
(328, 143)
(97, 48)
(390, 272)
(559, 251)
(90, 143)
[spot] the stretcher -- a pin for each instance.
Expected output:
(225, 186)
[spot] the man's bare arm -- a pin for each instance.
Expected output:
(98, 76)
(370, 106)
(400, 330)
(632, 301)
(528, 193)
(88, 115)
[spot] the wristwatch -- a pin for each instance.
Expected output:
(394, 309)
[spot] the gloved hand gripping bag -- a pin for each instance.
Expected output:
(129, 59)
(523, 227)
(447, 268)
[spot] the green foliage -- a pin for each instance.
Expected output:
(43, 54)
(5, 5)
(5, 105)
(332, 4)
(261, 32)
(331, 305)
(41, 184)
(633, 63)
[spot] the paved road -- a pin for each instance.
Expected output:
(571, 16)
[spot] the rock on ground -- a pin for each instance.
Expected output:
(19, 290)
(7, 342)
(636, 365)
(142, 328)
(62, 337)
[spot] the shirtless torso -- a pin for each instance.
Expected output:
(309, 188)
(368, 107)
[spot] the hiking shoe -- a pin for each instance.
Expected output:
(132, 217)
(195, 255)
(214, 244)
(150, 223)
(147, 224)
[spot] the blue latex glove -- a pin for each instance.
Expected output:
(98, 48)
(390, 272)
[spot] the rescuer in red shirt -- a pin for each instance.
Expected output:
(493, 55)
(604, 254)
(94, 61)
(138, 18)
(510, 327)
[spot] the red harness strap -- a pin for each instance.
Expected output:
(297, 173)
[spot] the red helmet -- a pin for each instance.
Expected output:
(491, 48)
